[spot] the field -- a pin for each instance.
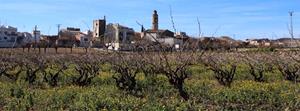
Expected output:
(101, 80)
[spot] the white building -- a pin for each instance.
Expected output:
(10, 37)
(86, 39)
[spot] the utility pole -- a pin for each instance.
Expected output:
(56, 41)
(199, 28)
(58, 28)
(291, 26)
(34, 32)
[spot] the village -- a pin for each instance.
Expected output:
(144, 55)
(116, 36)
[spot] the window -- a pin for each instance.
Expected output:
(5, 37)
(13, 33)
(85, 39)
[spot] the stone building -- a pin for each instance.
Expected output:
(99, 27)
(69, 37)
(155, 34)
(118, 37)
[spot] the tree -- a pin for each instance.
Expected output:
(87, 67)
(55, 67)
(224, 68)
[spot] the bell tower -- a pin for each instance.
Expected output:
(155, 21)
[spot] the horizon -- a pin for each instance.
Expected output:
(238, 19)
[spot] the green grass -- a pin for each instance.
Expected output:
(205, 94)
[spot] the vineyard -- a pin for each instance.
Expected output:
(150, 80)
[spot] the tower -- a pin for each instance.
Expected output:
(155, 21)
(99, 28)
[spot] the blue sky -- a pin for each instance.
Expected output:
(240, 19)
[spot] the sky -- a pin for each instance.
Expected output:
(240, 19)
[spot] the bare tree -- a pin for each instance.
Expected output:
(88, 67)
(32, 66)
(224, 68)
(175, 67)
(55, 67)
(258, 65)
(126, 67)
(289, 67)
(10, 68)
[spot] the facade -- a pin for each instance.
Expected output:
(99, 27)
(86, 39)
(259, 42)
(49, 40)
(162, 36)
(10, 37)
(69, 37)
(118, 37)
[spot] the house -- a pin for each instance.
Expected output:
(69, 37)
(10, 37)
(259, 42)
(165, 37)
(48, 40)
(286, 42)
(86, 39)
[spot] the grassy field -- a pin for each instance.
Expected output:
(156, 94)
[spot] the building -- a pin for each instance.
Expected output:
(48, 40)
(286, 42)
(259, 42)
(118, 37)
(165, 37)
(86, 39)
(10, 37)
(155, 21)
(99, 27)
(69, 37)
